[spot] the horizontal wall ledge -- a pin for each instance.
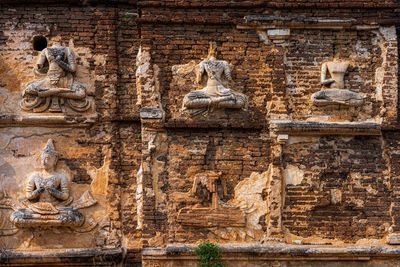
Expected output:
(265, 18)
(77, 2)
(18, 120)
(268, 4)
(236, 124)
(65, 257)
(323, 23)
(183, 20)
(325, 128)
(279, 252)
(271, 22)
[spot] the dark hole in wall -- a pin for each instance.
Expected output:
(39, 43)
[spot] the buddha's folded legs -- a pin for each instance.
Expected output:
(35, 87)
(197, 99)
(71, 217)
(67, 217)
(237, 102)
(337, 96)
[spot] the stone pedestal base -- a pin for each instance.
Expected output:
(65, 257)
(277, 255)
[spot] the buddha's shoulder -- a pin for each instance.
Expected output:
(35, 175)
(59, 176)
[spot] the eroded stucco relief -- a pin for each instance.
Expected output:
(335, 94)
(216, 75)
(57, 67)
(48, 201)
(210, 210)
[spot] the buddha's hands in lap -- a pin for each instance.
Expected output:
(39, 190)
(35, 193)
(53, 91)
(221, 99)
(54, 192)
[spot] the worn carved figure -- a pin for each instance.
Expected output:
(215, 94)
(336, 94)
(48, 201)
(211, 211)
(57, 64)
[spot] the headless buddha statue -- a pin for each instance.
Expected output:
(336, 94)
(57, 63)
(214, 94)
(47, 200)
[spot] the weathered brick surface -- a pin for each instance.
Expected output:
(356, 167)
(229, 152)
(242, 49)
(129, 158)
(105, 41)
(348, 192)
(308, 49)
(127, 45)
(279, 82)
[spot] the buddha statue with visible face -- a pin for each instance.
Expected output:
(47, 199)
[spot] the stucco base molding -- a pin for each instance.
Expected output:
(325, 128)
(17, 120)
(266, 255)
(65, 257)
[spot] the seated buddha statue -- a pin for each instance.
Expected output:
(214, 94)
(47, 200)
(57, 64)
(336, 94)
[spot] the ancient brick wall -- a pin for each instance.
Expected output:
(278, 82)
(228, 152)
(129, 157)
(127, 45)
(100, 156)
(278, 170)
(341, 191)
(187, 44)
(306, 53)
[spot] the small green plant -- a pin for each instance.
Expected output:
(209, 255)
(139, 135)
